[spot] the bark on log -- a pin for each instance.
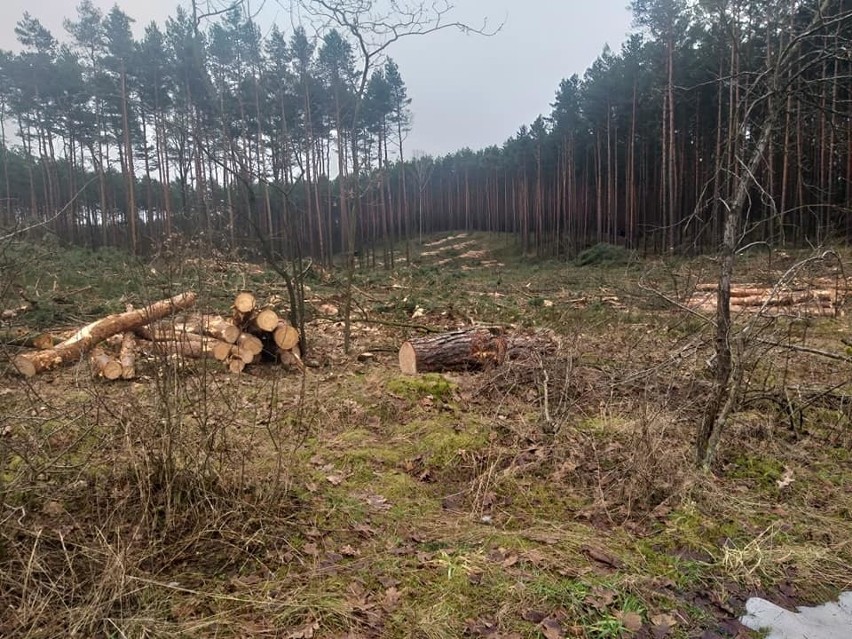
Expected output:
(104, 365)
(127, 356)
(191, 349)
(89, 336)
(471, 349)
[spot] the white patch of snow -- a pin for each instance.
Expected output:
(829, 621)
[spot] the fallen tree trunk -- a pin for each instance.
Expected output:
(42, 341)
(470, 349)
(89, 336)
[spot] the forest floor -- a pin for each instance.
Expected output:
(553, 499)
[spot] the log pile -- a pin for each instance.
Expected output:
(250, 335)
(822, 300)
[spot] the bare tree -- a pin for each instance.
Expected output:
(777, 82)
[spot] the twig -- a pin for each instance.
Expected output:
(806, 349)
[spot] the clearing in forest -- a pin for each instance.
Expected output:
(549, 497)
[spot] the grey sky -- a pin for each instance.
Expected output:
(468, 91)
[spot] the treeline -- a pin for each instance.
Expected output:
(220, 132)
(225, 133)
(643, 150)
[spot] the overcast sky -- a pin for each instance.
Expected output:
(467, 91)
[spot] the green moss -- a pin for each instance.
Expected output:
(428, 385)
(764, 470)
(445, 444)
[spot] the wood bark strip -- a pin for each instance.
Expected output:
(471, 349)
(86, 338)
(127, 356)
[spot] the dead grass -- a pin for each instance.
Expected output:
(556, 490)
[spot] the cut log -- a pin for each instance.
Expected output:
(470, 349)
(291, 358)
(222, 351)
(89, 336)
(285, 336)
(250, 343)
(104, 365)
(127, 356)
(264, 321)
(236, 365)
(190, 349)
(220, 328)
(244, 304)
(167, 333)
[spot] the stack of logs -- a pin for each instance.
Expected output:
(822, 300)
(249, 336)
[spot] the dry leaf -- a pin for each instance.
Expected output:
(602, 557)
(786, 478)
(664, 620)
(632, 621)
(391, 599)
(533, 616)
(510, 561)
(600, 598)
(335, 480)
(307, 632)
(552, 629)
(310, 549)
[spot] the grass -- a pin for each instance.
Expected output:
(428, 506)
